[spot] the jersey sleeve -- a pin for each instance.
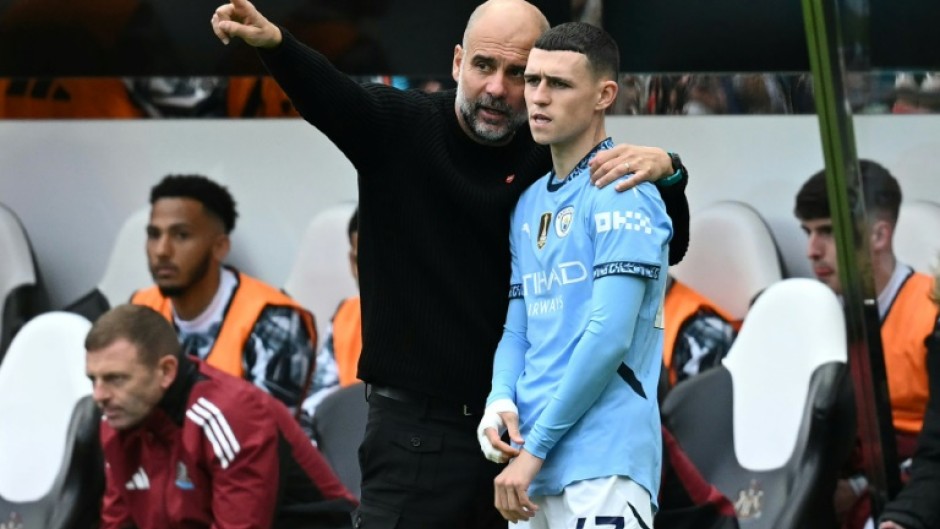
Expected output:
(630, 234)
(677, 207)
(359, 119)
(278, 354)
(615, 305)
(241, 446)
(114, 512)
(326, 375)
(630, 230)
(509, 359)
(703, 340)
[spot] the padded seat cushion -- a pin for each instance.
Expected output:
(43, 377)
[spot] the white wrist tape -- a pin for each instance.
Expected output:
(491, 419)
(858, 483)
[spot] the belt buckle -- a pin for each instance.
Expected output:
(466, 411)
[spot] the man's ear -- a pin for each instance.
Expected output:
(167, 367)
(607, 94)
(882, 232)
(221, 248)
(458, 60)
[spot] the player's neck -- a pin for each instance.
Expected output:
(883, 265)
(567, 154)
(197, 297)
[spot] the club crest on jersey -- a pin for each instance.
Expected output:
(182, 477)
(563, 220)
(544, 223)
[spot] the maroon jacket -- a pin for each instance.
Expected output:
(218, 453)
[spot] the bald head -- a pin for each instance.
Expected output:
(525, 16)
(489, 67)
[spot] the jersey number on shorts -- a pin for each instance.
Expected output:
(616, 521)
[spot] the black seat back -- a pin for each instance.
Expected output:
(22, 294)
(339, 425)
(772, 427)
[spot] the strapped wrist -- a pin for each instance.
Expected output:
(680, 172)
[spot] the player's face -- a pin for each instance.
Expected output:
(183, 243)
(821, 251)
(125, 388)
(488, 71)
(561, 94)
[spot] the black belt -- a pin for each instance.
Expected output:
(413, 397)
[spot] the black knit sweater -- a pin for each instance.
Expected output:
(434, 209)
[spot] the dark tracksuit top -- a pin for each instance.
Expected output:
(217, 452)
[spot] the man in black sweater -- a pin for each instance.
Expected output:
(438, 177)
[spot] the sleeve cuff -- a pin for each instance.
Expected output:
(673, 178)
(670, 180)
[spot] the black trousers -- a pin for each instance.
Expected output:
(422, 468)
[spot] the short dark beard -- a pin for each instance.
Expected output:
(198, 275)
(172, 292)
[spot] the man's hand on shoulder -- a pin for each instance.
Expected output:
(241, 19)
(644, 164)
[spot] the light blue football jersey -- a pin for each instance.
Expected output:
(568, 238)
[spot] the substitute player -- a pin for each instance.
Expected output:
(576, 370)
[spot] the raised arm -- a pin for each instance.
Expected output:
(241, 19)
(364, 121)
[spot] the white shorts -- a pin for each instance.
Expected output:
(614, 502)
